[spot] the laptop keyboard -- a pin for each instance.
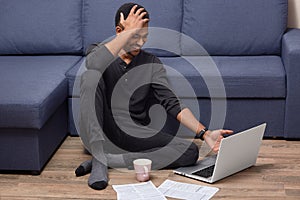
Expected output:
(206, 172)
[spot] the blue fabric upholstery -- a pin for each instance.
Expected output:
(40, 27)
(98, 24)
(243, 77)
(30, 149)
(257, 111)
(291, 60)
(32, 88)
(257, 30)
(73, 75)
(238, 117)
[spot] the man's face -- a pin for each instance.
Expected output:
(135, 44)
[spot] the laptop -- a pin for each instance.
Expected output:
(237, 152)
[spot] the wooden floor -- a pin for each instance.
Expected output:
(275, 176)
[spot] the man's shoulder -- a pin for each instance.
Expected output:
(149, 57)
(91, 47)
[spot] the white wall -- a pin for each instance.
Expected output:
(294, 14)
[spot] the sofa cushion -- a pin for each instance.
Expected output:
(241, 77)
(98, 22)
(32, 88)
(40, 27)
(234, 27)
(73, 75)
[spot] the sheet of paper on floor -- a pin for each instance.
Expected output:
(186, 191)
(142, 191)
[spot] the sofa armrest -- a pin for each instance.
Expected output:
(291, 61)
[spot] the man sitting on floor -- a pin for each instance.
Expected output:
(114, 113)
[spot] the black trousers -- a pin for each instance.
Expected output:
(134, 141)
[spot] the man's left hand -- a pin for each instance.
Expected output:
(213, 138)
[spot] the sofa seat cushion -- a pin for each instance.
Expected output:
(242, 77)
(32, 88)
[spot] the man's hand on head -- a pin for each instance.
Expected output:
(127, 28)
(135, 20)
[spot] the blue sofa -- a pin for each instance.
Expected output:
(234, 63)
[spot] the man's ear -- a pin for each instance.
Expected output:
(119, 29)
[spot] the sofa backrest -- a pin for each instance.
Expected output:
(99, 15)
(222, 27)
(234, 27)
(40, 27)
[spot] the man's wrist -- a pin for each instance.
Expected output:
(201, 134)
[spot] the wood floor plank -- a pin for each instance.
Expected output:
(276, 175)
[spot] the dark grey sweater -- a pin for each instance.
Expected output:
(129, 87)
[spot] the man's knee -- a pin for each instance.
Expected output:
(194, 152)
(90, 80)
(189, 157)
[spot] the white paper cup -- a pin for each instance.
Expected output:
(142, 169)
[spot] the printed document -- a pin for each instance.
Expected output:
(141, 191)
(186, 191)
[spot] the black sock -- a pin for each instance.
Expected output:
(84, 168)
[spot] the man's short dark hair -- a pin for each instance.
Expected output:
(125, 9)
